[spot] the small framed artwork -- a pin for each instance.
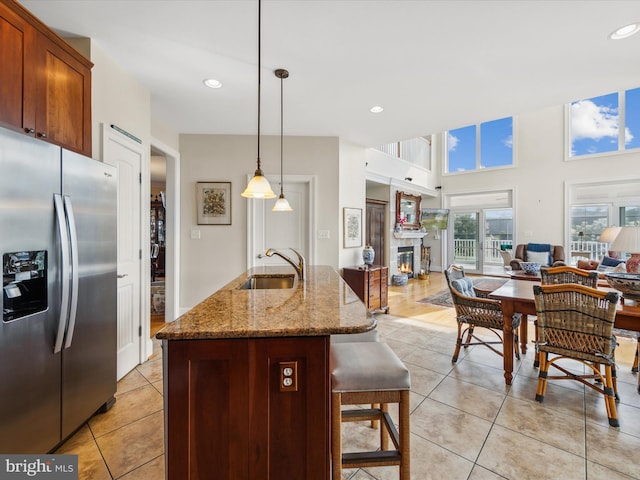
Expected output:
(213, 201)
(352, 227)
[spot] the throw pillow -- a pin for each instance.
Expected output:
(464, 286)
(587, 264)
(540, 247)
(610, 262)
(539, 257)
(621, 267)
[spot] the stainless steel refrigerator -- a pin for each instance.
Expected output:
(58, 328)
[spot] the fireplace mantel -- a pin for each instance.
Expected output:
(410, 234)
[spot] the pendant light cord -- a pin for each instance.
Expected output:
(281, 133)
(259, 77)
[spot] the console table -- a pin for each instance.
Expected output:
(370, 283)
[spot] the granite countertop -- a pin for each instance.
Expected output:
(321, 305)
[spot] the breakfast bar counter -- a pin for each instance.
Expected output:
(321, 305)
(247, 377)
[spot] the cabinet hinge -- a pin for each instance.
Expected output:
(140, 254)
(140, 178)
(140, 330)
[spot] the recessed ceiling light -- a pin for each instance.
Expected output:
(626, 31)
(212, 83)
(376, 109)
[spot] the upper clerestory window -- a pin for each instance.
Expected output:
(605, 124)
(486, 145)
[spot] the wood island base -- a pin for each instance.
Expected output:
(230, 413)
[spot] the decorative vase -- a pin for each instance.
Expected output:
(368, 254)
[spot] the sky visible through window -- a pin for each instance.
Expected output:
(595, 123)
(495, 149)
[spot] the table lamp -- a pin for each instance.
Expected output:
(628, 240)
(608, 235)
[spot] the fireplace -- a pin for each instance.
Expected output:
(405, 260)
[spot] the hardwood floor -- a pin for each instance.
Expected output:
(403, 301)
(157, 322)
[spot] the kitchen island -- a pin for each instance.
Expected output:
(247, 379)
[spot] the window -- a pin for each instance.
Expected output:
(475, 147)
(608, 123)
(588, 222)
(629, 216)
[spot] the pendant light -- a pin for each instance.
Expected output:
(258, 186)
(282, 205)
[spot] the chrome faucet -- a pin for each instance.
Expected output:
(299, 268)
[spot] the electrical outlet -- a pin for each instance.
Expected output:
(288, 376)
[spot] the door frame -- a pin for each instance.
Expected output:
(172, 235)
(144, 313)
(310, 181)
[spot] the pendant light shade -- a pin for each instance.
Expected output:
(259, 186)
(282, 205)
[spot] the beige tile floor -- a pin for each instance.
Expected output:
(465, 423)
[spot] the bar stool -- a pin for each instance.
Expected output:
(369, 373)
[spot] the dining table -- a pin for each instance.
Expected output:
(516, 296)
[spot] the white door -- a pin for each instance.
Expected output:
(127, 156)
(282, 230)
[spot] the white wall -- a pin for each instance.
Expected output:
(220, 254)
(163, 133)
(352, 195)
(540, 175)
(117, 98)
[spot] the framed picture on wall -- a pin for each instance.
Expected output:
(213, 201)
(352, 218)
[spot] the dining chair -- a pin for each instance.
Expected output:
(474, 309)
(563, 274)
(568, 274)
(576, 322)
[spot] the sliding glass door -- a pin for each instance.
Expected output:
(479, 237)
(466, 246)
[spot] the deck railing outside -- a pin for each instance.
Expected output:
(465, 250)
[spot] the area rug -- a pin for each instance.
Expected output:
(443, 297)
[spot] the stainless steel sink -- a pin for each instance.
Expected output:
(268, 281)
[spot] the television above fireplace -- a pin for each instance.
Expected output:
(434, 218)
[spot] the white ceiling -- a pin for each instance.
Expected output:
(432, 65)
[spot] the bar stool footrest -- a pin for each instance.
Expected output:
(361, 414)
(371, 459)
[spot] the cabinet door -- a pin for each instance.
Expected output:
(290, 428)
(206, 405)
(15, 36)
(63, 97)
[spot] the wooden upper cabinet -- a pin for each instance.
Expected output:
(13, 42)
(45, 84)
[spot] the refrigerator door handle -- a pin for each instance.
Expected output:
(64, 245)
(75, 271)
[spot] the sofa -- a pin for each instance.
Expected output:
(607, 264)
(522, 250)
